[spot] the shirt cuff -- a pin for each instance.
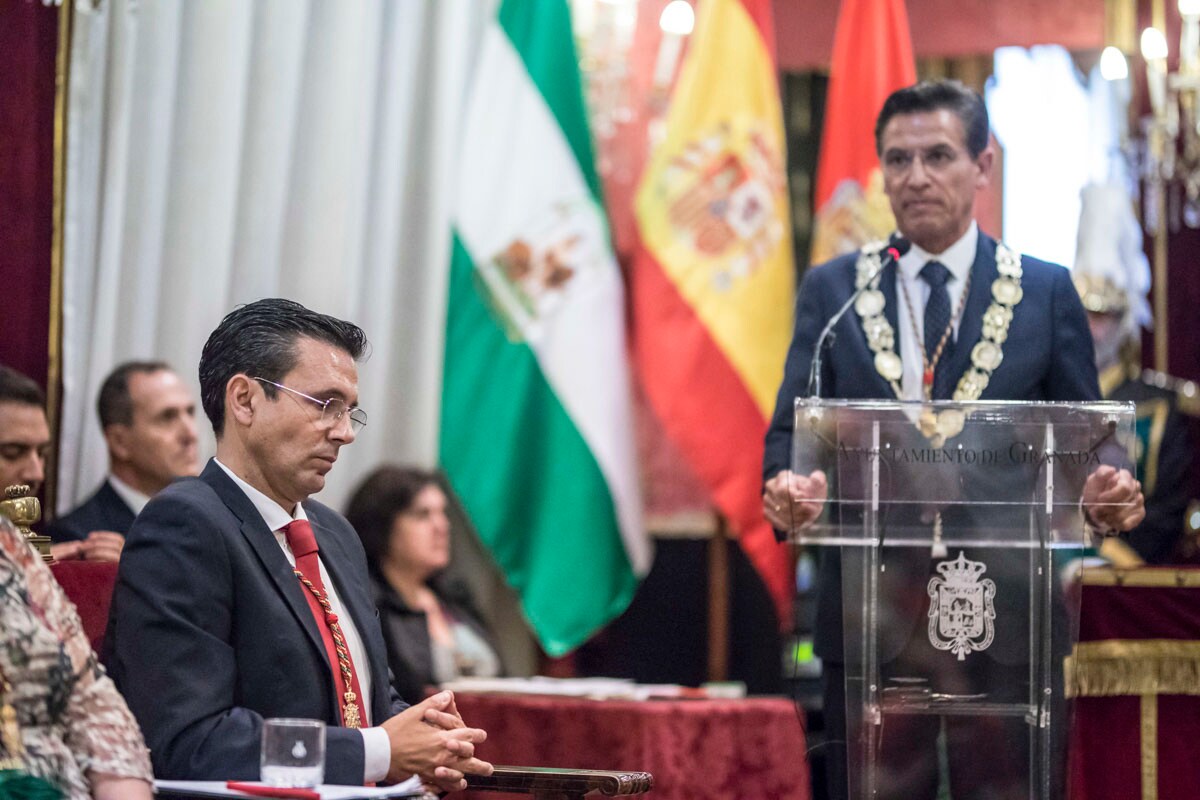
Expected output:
(1095, 529)
(377, 754)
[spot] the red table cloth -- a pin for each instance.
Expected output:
(695, 749)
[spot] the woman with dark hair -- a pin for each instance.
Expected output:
(432, 632)
(65, 732)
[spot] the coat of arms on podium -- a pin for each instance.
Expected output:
(961, 612)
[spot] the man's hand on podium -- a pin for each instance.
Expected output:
(431, 740)
(1113, 501)
(792, 501)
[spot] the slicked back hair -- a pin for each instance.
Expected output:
(934, 96)
(114, 404)
(17, 388)
(259, 340)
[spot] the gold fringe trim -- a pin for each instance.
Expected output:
(1158, 577)
(1149, 742)
(1119, 554)
(1122, 667)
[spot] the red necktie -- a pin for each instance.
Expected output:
(308, 569)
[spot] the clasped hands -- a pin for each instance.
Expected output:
(98, 546)
(431, 740)
(1112, 500)
(792, 501)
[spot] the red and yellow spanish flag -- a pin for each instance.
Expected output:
(872, 57)
(712, 280)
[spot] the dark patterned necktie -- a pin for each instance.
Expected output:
(937, 320)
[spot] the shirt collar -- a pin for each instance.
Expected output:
(958, 257)
(132, 497)
(272, 513)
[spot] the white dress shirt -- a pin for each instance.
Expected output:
(376, 745)
(958, 258)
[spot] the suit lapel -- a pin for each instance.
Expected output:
(269, 553)
(356, 600)
(970, 329)
(114, 507)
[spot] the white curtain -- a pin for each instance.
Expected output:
(224, 151)
(1052, 121)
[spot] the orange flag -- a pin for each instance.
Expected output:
(872, 57)
(712, 278)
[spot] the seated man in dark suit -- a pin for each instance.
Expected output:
(25, 441)
(148, 418)
(239, 598)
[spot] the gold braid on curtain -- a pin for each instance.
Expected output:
(1115, 667)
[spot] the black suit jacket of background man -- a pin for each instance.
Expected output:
(103, 511)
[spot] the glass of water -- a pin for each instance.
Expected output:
(293, 752)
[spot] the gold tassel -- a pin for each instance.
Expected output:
(1118, 667)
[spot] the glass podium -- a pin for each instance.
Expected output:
(951, 528)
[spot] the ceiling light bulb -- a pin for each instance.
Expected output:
(1113, 66)
(1154, 44)
(677, 18)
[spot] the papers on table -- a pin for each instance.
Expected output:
(595, 688)
(410, 788)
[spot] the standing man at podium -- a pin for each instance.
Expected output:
(939, 300)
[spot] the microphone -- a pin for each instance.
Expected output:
(896, 247)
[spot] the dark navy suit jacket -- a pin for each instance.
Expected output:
(103, 511)
(1048, 356)
(210, 633)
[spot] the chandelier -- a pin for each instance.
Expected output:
(1167, 154)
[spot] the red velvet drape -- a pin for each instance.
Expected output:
(89, 585)
(1106, 751)
(28, 44)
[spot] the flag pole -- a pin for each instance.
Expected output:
(718, 601)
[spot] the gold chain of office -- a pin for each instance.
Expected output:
(986, 354)
(350, 717)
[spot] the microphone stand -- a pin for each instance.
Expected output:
(891, 254)
(897, 246)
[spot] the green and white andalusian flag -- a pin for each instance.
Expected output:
(536, 425)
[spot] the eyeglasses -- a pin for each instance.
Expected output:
(897, 161)
(333, 410)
